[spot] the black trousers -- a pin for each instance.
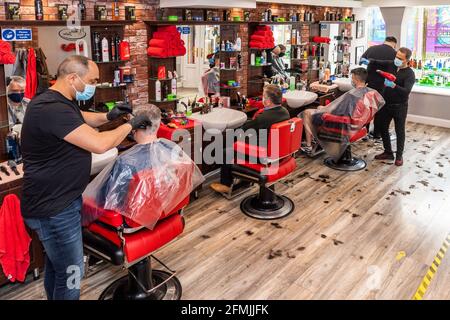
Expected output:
(398, 113)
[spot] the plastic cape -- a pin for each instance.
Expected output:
(143, 183)
(334, 125)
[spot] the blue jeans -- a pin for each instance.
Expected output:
(62, 240)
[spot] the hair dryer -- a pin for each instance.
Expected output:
(387, 75)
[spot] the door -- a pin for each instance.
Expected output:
(200, 41)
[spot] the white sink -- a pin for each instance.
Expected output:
(297, 98)
(220, 119)
(100, 161)
(344, 84)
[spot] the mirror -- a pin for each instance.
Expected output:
(54, 44)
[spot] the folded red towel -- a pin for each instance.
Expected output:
(321, 39)
(263, 28)
(158, 43)
(168, 29)
(157, 52)
(257, 38)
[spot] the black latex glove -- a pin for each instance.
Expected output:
(140, 122)
(118, 111)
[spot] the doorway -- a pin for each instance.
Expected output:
(200, 41)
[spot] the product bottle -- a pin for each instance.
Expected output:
(112, 50)
(105, 50)
(116, 81)
(238, 43)
(38, 9)
(13, 147)
(263, 57)
(292, 83)
(115, 10)
(81, 10)
(158, 90)
(222, 47)
(124, 50)
(116, 47)
(174, 86)
(96, 50)
(252, 59)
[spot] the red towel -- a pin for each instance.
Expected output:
(31, 77)
(14, 240)
(157, 52)
(158, 43)
(168, 29)
(321, 39)
(257, 38)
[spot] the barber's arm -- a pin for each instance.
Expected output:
(91, 140)
(404, 90)
(94, 119)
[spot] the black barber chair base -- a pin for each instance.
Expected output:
(346, 163)
(142, 283)
(353, 164)
(267, 205)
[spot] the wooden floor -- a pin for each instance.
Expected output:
(366, 235)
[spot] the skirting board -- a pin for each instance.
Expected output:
(445, 123)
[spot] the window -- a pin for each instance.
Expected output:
(437, 32)
(377, 27)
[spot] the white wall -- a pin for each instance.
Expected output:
(360, 14)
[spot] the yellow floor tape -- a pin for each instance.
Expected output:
(432, 270)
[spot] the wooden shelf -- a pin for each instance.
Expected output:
(46, 23)
(336, 22)
(260, 66)
(192, 22)
(111, 62)
(230, 88)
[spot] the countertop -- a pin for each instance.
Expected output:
(431, 90)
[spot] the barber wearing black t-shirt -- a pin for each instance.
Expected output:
(396, 94)
(385, 51)
(57, 142)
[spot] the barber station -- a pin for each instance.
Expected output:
(201, 150)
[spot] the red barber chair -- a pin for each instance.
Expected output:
(266, 166)
(341, 129)
(123, 242)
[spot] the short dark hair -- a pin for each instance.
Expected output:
(73, 64)
(391, 39)
(273, 93)
(360, 73)
(407, 52)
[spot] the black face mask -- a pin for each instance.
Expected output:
(16, 97)
(281, 55)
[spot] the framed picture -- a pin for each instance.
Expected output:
(360, 29)
(359, 52)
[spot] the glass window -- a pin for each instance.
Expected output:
(437, 32)
(377, 27)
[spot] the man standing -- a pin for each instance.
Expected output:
(57, 142)
(396, 94)
(385, 51)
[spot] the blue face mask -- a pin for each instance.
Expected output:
(88, 92)
(398, 63)
(16, 97)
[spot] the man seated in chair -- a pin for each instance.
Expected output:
(273, 113)
(346, 105)
(150, 178)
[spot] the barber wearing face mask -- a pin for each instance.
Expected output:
(275, 58)
(57, 142)
(16, 103)
(396, 94)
